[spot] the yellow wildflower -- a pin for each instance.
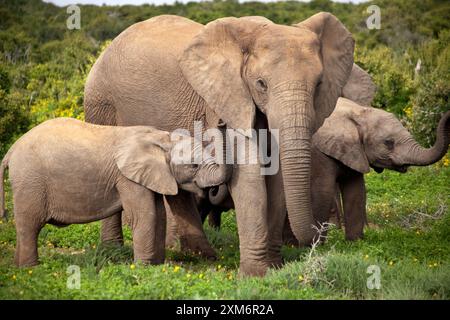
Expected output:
(201, 275)
(14, 277)
(366, 256)
(300, 278)
(176, 269)
(30, 272)
(188, 275)
(132, 267)
(391, 263)
(230, 277)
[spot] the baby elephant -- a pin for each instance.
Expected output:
(65, 171)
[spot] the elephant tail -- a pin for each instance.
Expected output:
(3, 166)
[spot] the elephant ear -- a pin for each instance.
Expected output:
(337, 46)
(340, 139)
(141, 157)
(359, 87)
(212, 65)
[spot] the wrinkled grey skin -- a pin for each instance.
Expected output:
(65, 171)
(351, 140)
(169, 71)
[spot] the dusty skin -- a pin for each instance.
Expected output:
(111, 169)
(240, 73)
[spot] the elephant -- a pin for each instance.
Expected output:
(66, 171)
(353, 139)
(234, 73)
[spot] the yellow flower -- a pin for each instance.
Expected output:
(1, 222)
(30, 272)
(222, 257)
(132, 267)
(219, 267)
(366, 256)
(435, 264)
(300, 278)
(93, 246)
(415, 259)
(164, 269)
(14, 277)
(408, 111)
(446, 161)
(418, 232)
(176, 269)
(391, 263)
(230, 277)
(188, 275)
(200, 276)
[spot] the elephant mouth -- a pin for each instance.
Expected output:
(401, 169)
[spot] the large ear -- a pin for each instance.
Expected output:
(337, 46)
(212, 64)
(141, 157)
(340, 139)
(359, 87)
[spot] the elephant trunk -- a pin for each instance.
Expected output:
(296, 114)
(218, 194)
(419, 156)
(218, 171)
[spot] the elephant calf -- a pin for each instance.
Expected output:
(353, 139)
(65, 171)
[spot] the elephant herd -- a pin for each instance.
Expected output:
(169, 72)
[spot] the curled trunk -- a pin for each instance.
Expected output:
(419, 156)
(219, 172)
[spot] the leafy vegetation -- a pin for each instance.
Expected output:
(408, 238)
(43, 67)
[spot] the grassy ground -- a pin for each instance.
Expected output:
(408, 239)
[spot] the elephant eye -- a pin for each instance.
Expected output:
(261, 85)
(389, 143)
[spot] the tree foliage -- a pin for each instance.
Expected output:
(43, 65)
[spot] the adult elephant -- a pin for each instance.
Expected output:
(169, 71)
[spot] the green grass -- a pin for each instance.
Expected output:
(408, 238)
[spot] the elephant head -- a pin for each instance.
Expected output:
(370, 137)
(155, 159)
(292, 74)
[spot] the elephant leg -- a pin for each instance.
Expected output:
(248, 191)
(353, 191)
(336, 211)
(172, 236)
(276, 217)
(190, 229)
(28, 227)
(27, 238)
(30, 216)
(147, 221)
(111, 230)
(288, 236)
(215, 217)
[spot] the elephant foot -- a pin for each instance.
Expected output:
(354, 237)
(113, 242)
(252, 269)
(198, 245)
(155, 261)
(171, 241)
